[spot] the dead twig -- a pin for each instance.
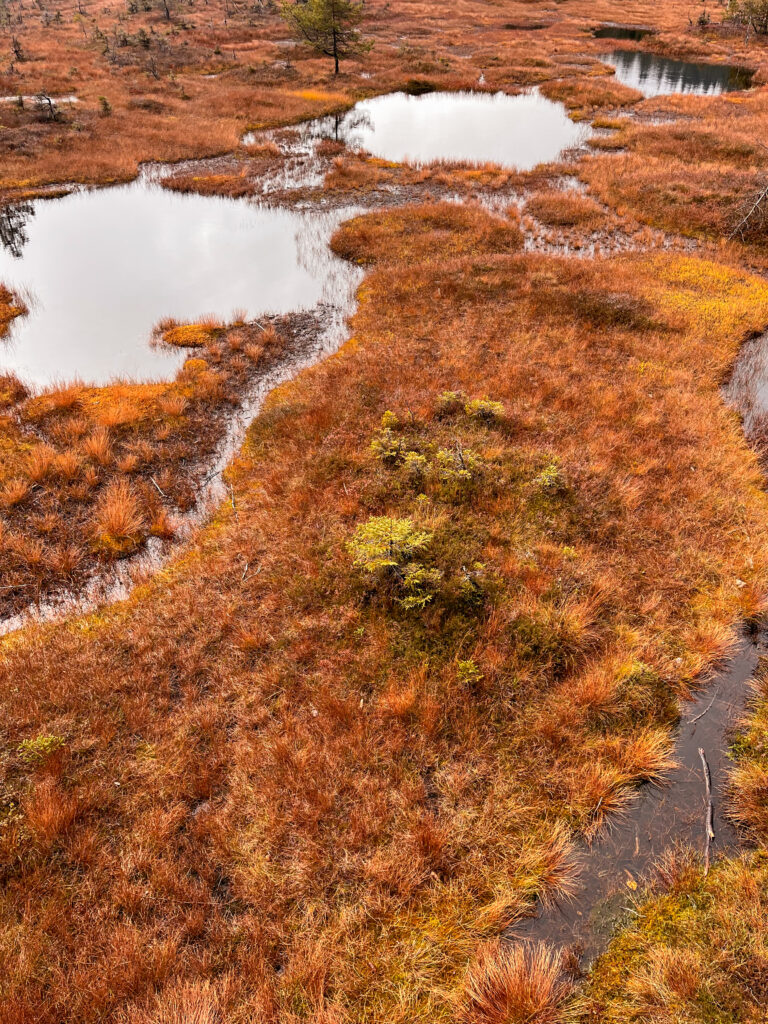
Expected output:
(159, 489)
(709, 831)
(706, 709)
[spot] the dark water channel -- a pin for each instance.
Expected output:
(653, 75)
(614, 866)
(627, 32)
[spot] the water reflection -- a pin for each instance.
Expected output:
(99, 268)
(659, 76)
(633, 33)
(513, 131)
(13, 222)
(747, 389)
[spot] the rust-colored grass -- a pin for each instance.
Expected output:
(10, 308)
(515, 984)
(74, 455)
(287, 787)
(331, 796)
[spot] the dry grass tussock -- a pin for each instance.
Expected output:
(515, 984)
(344, 742)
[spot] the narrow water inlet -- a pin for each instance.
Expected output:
(613, 867)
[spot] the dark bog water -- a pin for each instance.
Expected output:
(99, 268)
(513, 131)
(613, 867)
(631, 32)
(659, 76)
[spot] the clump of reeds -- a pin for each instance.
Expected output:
(516, 983)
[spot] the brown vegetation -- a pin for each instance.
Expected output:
(314, 769)
(695, 951)
(89, 474)
(301, 794)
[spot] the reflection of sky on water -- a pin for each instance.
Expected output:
(514, 131)
(659, 76)
(99, 268)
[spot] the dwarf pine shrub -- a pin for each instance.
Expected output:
(385, 545)
(384, 548)
(39, 749)
(388, 446)
(551, 478)
(419, 586)
(415, 466)
(484, 409)
(449, 403)
(456, 470)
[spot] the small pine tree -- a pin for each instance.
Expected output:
(329, 26)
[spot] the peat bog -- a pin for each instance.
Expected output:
(383, 562)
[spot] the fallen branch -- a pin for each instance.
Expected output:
(755, 208)
(706, 709)
(709, 831)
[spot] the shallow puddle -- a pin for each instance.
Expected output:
(660, 76)
(461, 127)
(99, 268)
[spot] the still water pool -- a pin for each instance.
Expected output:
(474, 127)
(660, 76)
(99, 268)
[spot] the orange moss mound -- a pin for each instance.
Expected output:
(190, 335)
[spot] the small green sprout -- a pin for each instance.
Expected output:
(468, 672)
